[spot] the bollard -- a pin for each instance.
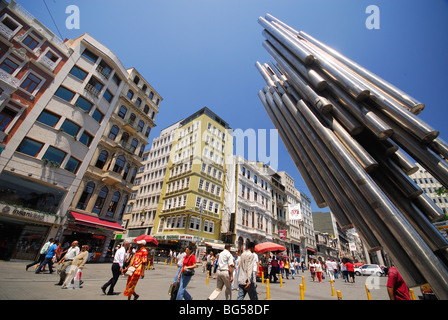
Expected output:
(208, 277)
(281, 281)
(302, 296)
(262, 277)
(339, 295)
(303, 282)
(165, 261)
(268, 289)
(411, 291)
(171, 262)
(369, 297)
(332, 288)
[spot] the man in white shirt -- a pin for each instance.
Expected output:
(117, 269)
(224, 274)
(330, 269)
(247, 277)
(180, 262)
(67, 261)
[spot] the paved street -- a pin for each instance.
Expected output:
(18, 284)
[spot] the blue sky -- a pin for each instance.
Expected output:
(198, 53)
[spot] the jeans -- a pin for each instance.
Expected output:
(252, 292)
(182, 293)
(177, 273)
(48, 261)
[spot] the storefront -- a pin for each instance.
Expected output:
(97, 233)
(23, 231)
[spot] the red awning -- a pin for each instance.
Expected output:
(95, 221)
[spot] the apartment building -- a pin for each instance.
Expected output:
(56, 105)
(252, 207)
(145, 198)
(192, 199)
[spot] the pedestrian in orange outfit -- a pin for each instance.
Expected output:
(139, 262)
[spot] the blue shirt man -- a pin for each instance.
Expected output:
(49, 257)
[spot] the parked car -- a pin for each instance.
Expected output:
(369, 269)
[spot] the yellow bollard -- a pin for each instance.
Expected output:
(332, 288)
(208, 276)
(268, 289)
(411, 291)
(165, 261)
(303, 282)
(369, 297)
(302, 296)
(281, 281)
(262, 277)
(339, 295)
(171, 263)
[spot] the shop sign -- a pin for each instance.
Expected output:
(24, 213)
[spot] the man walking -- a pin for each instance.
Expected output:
(247, 277)
(42, 253)
(49, 257)
(224, 274)
(117, 269)
(67, 260)
(396, 287)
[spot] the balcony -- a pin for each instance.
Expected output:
(90, 89)
(47, 63)
(8, 79)
(6, 32)
(111, 177)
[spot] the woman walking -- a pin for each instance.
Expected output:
(318, 271)
(139, 262)
(186, 273)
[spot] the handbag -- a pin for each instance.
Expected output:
(188, 272)
(130, 271)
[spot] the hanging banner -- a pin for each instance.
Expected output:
(295, 212)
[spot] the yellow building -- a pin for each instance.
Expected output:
(192, 198)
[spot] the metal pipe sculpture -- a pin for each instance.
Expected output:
(343, 127)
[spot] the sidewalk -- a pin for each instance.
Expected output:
(18, 284)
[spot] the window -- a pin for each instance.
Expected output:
(108, 96)
(30, 147)
(104, 69)
(122, 112)
(119, 164)
(30, 42)
(138, 102)
(85, 196)
(70, 128)
(100, 200)
(30, 83)
(10, 24)
(146, 109)
(141, 124)
(130, 94)
(78, 73)
(84, 104)
(116, 79)
(9, 66)
(6, 116)
(148, 130)
(65, 94)
(136, 80)
(94, 86)
(113, 132)
(72, 165)
(86, 138)
(134, 144)
(51, 56)
(97, 115)
(102, 158)
(55, 155)
(89, 55)
(113, 204)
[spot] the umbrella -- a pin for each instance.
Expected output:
(269, 246)
(149, 239)
(358, 264)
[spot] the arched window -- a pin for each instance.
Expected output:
(102, 158)
(100, 200)
(113, 132)
(126, 171)
(142, 149)
(146, 109)
(123, 207)
(130, 94)
(85, 196)
(141, 124)
(134, 145)
(119, 164)
(113, 204)
(124, 137)
(138, 102)
(122, 112)
(132, 118)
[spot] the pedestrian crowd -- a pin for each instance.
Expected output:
(232, 271)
